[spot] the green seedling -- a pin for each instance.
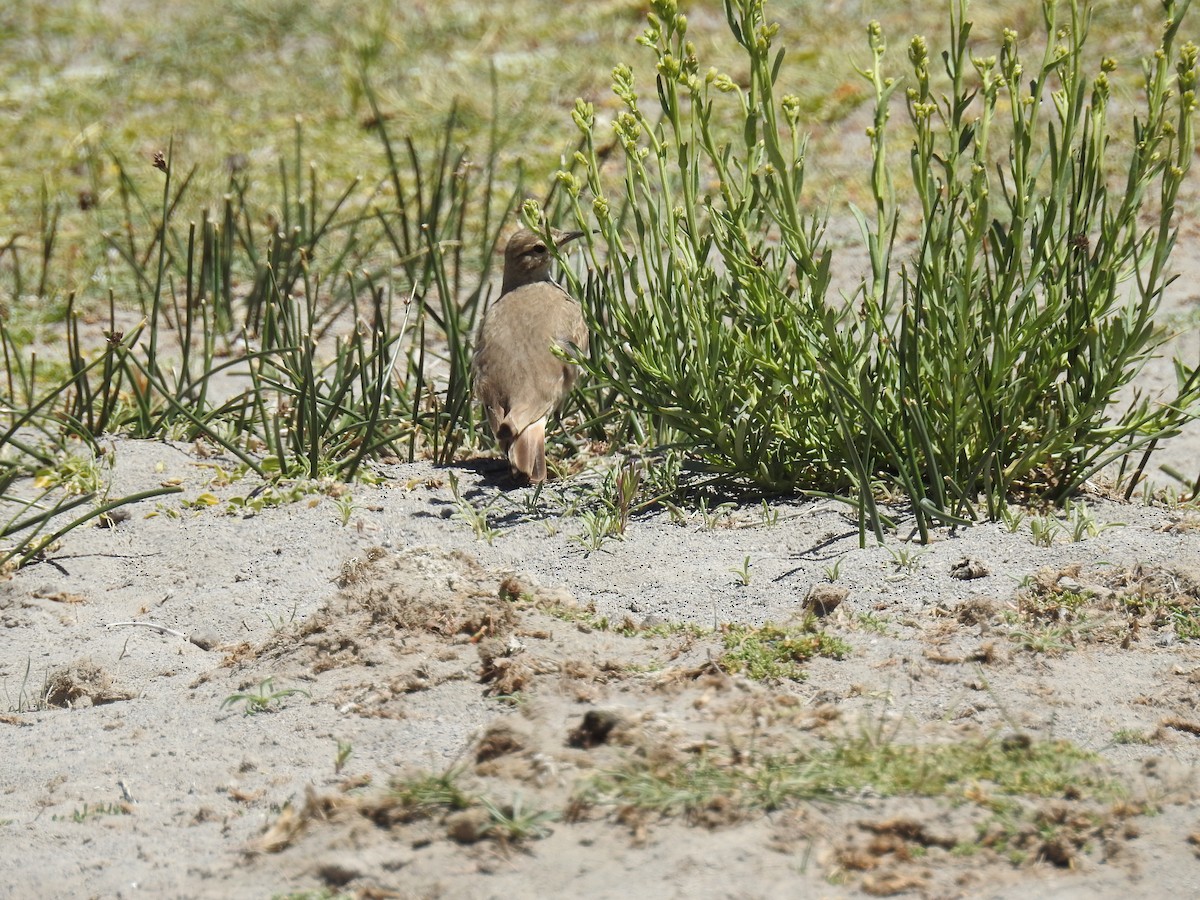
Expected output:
(1082, 524)
(98, 810)
(516, 824)
(599, 525)
(1043, 529)
(465, 511)
(832, 572)
(278, 624)
(906, 560)
(743, 572)
(264, 699)
(345, 508)
(344, 751)
(1012, 519)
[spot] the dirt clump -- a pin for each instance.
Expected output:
(82, 684)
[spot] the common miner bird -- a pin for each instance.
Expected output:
(518, 380)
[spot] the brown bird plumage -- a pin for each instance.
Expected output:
(518, 380)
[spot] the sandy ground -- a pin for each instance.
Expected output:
(422, 648)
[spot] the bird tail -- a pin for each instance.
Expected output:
(527, 452)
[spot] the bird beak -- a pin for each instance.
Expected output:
(565, 237)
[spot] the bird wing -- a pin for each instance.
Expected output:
(518, 380)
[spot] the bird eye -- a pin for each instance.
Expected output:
(539, 248)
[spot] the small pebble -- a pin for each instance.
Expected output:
(205, 638)
(825, 598)
(469, 826)
(967, 568)
(112, 518)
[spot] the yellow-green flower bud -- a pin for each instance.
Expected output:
(725, 84)
(584, 116)
(791, 108)
(531, 214)
(570, 182)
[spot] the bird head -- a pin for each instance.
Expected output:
(527, 258)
